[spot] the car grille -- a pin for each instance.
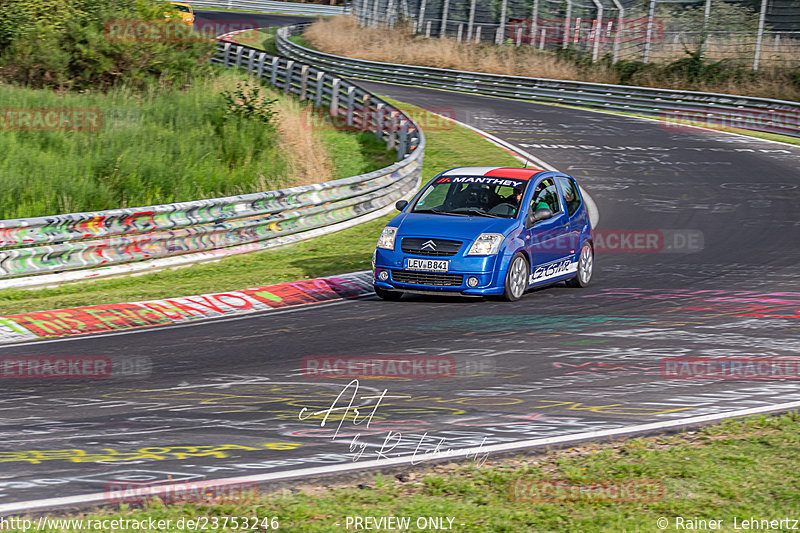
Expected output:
(427, 278)
(441, 247)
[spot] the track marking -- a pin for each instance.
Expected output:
(101, 497)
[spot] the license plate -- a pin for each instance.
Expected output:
(429, 265)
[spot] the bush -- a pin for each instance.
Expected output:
(64, 44)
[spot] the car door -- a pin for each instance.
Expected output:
(578, 218)
(548, 240)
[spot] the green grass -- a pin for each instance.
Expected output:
(165, 145)
(345, 251)
(739, 469)
(161, 146)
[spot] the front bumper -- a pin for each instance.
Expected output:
(454, 281)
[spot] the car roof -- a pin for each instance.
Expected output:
(499, 172)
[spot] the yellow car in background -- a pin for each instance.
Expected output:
(185, 11)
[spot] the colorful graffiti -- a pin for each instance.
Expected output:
(226, 229)
(112, 317)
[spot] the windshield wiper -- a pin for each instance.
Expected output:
(437, 212)
(481, 213)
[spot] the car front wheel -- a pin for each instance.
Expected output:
(517, 278)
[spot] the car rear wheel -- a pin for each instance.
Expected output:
(517, 278)
(585, 266)
(384, 294)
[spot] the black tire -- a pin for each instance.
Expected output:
(585, 267)
(384, 294)
(516, 278)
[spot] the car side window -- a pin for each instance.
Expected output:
(571, 196)
(546, 197)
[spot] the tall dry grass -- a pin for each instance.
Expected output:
(343, 36)
(307, 157)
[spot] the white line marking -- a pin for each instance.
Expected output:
(100, 497)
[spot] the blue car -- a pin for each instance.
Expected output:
(486, 231)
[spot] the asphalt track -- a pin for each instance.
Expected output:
(223, 398)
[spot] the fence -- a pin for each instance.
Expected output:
(98, 239)
(757, 114)
(652, 30)
(272, 6)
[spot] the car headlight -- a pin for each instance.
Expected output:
(386, 240)
(486, 244)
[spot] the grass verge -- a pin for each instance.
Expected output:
(736, 471)
(345, 251)
(167, 145)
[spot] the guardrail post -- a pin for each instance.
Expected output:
(335, 97)
(303, 81)
(542, 39)
(288, 82)
(460, 31)
(379, 115)
(428, 29)
(251, 60)
(478, 34)
(351, 102)
(402, 143)
(365, 112)
(320, 87)
(260, 70)
(239, 55)
(226, 55)
(518, 39)
(273, 77)
(392, 142)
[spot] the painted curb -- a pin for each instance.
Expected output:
(122, 316)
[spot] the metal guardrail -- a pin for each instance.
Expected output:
(757, 114)
(272, 6)
(98, 239)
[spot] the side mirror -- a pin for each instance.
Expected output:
(400, 205)
(539, 214)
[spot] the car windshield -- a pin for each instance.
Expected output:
(179, 7)
(485, 196)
